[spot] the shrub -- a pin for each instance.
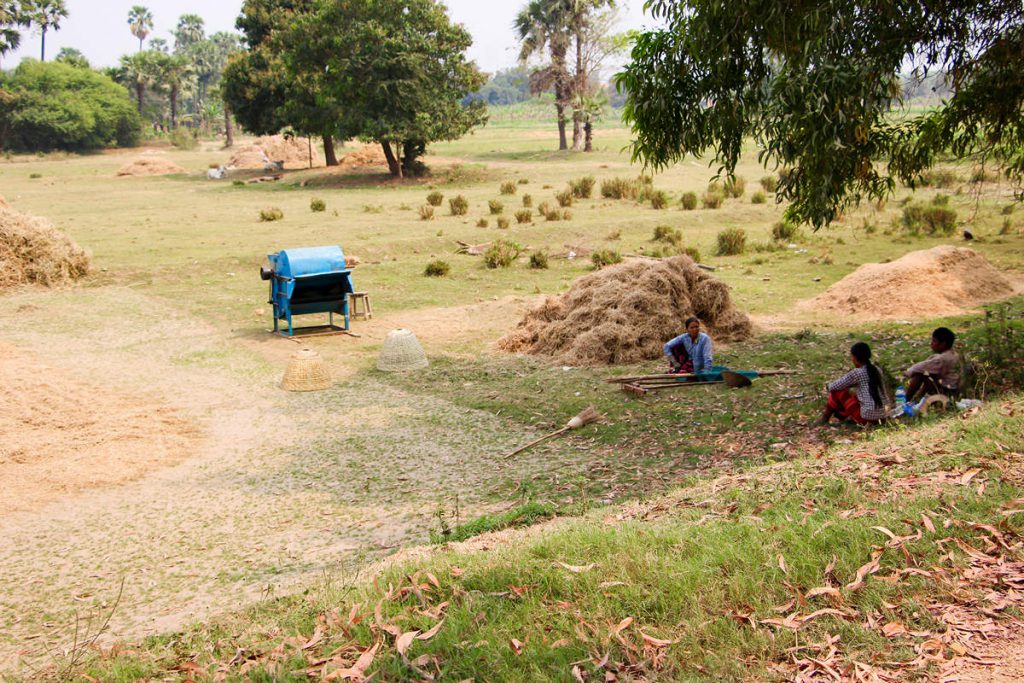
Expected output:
(539, 260)
(35, 176)
(543, 208)
(373, 208)
(644, 179)
(435, 198)
(317, 205)
(1008, 209)
(426, 213)
(501, 254)
(659, 199)
(503, 222)
(523, 181)
(524, 216)
(689, 201)
(931, 219)
(496, 207)
(614, 236)
(735, 187)
(665, 233)
(508, 187)
(564, 198)
(566, 215)
(939, 177)
(182, 138)
(785, 231)
(712, 200)
(553, 215)
(458, 205)
(271, 214)
(605, 257)
(620, 188)
(732, 242)
(528, 200)
(693, 253)
(940, 200)
(238, 183)
(437, 269)
(770, 183)
(583, 188)
(980, 175)
(758, 198)
(1007, 227)
(482, 223)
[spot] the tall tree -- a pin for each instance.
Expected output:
(587, 24)
(12, 19)
(393, 71)
(815, 84)
(47, 15)
(190, 30)
(137, 72)
(140, 22)
(172, 74)
(542, 27)
(159, 45)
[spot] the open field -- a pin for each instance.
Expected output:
(249, 492)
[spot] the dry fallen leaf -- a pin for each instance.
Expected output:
(927, 521)
(404, 641)
(782, 565)
(893, 629)
(577, 673)
(517, 646)
(968, 475)
(622, 625)
(655, 642)
(432, 632)
(577, 569)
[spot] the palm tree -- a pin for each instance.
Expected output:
(173, 72)
(191, 29)
(140, 21)
(47, 15)
(137, 74)
(544, 25)
(11, 19)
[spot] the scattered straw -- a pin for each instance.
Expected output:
(32, 251)
(626, 313)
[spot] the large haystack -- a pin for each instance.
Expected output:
(293, 152)
(32, 251)
(367, 155)
(946, 280)
(150, 166)
(626, 313)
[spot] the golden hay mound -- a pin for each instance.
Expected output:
(946, 280)
(294, 152)
(4, 204)
(626, 313)
(70, 435)
(368, 155)
(149, 166)
(32, 251)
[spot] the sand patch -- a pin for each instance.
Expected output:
(626, 313)
(149, 166)
(32, 251)
(258, 155)
(946, 280)
(60, 435)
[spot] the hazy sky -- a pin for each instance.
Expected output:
(99, 28)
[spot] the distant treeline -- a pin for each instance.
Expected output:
(512, 86)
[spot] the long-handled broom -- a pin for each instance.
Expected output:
(588, 416)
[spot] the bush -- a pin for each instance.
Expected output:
(758, 198)
(437, 269)
(1007, 227)
(940, 200)
(553, 215)
(426, 213)
(238, 183)
(732, 242)
(458, 205)
(508, 187)
(980, 175)
(35, 176)
(524, 181)
(271, 214)
(735, 187)
(620, 188)
(543, 208)
(51, 105)
(496, 207)
(939, 177)
(614, 236)
(770, 183)
(566, 215)
(689, 201)
(930, 219)
(785, 231)
(182, 138)
(693, 253)
(665, 233)
(501, 254)
(712, 200)
(482, 223)
(539, 260)
(564, 198)
(583, 188)
(435, 198)
(503, 222)
(317, 205)
(527, 200)
(605, 257)
(524, 216)
(659, 199)
(644, 179)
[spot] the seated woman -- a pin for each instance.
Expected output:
(690, 352)
(857, 396)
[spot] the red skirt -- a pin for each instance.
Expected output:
(845, 406)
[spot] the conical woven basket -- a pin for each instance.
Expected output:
(401, 351)
(306, 372)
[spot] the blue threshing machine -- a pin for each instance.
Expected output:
(307, 281)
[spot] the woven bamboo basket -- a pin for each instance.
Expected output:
(306, 372)
(401, 352)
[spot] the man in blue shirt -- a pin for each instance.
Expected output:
(697, 348)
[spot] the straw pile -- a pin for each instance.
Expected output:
(368, 155)
(32, 251)
(149, 166)
(306, 372)
(946, 280)
(626, 313)
(294, 152)
(401, 352)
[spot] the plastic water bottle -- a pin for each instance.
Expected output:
(901, 401)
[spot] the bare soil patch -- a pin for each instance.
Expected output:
(626, 313)
(149, 166)
(945, 280)
(62, 435)
(32, 251)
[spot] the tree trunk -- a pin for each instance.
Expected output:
(329, 153)
(229, 132)
(140, 43)
(577, 132)
(588, 130)
(42, 48)
(562, 142)
(579, 86)
(140, 93)
(174, 108)
(394, 165)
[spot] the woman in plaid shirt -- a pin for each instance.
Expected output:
(857, 396)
